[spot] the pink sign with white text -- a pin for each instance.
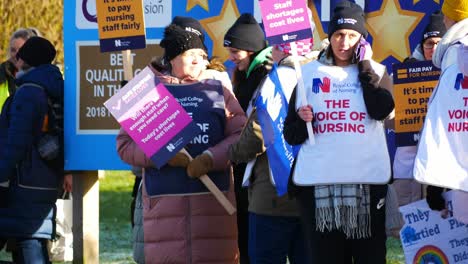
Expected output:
(285, 21)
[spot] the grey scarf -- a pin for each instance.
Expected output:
(344, 207)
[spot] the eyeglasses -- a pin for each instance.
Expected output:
(430, 45)
(195, 53)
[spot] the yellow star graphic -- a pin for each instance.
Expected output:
(217, 26)
(390, 28)
(192, 3)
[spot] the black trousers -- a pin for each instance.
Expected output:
(332, 247)
(242, 202)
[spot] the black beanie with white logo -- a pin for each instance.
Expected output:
(347, 15)
(177, 40)
(435, 28)
(189, 24)
(245, 34)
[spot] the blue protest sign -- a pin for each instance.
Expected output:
(205, 104)
(272, 109)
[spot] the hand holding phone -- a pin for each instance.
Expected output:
(363, 50)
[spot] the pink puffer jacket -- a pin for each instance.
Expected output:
(193, 228)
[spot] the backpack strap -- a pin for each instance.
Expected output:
(50, 106)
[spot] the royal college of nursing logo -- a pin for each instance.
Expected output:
(170, 147)
(461, 81)
(321, 85)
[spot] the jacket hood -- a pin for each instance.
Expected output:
(453, 36)
(418, 53)
(47, 76)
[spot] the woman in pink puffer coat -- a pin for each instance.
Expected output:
(190, 227)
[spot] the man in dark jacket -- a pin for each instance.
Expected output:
(28, 186)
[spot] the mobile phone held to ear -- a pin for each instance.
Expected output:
(362, 51)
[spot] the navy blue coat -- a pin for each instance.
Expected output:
(33, 187)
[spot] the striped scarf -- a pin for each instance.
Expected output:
(344, 207)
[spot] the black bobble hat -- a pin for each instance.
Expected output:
(189, 24)
(435, 28)
(177, 40)
(37, 51)
(347, 15)
(245, 34)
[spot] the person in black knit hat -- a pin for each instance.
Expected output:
(347, 15)
(27, 212)
(245, 34)
(189, 24)
(409, 190)
(431, 36)
(246, 44)
(177, 40)
(182, 222)
(340, 181)
(37, 51)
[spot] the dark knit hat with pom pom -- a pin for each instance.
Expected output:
(177, 40)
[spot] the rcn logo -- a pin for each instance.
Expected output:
(287, 37)
(170, 147)
(318, 84)
(461, 81)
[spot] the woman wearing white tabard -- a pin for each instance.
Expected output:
(343, 215)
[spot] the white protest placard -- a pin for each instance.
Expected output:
(426, 237)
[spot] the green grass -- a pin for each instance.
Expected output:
(394, 252)
(115, 237)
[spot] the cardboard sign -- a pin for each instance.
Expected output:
(121, 24)
(204, 102)
(98, 78)
(428, 238)
(285, 21)
(152, 117)
(158, 14)
(413, 85)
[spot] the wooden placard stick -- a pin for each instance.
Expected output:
(214, 189)
(127, 64)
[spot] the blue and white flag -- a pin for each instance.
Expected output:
(272, 108)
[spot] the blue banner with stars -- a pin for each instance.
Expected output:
(395, 28)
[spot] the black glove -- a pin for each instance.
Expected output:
(368, 78)
(3, 197)
(434, 198)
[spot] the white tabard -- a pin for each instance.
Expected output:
(350, 147)
(442, 157)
